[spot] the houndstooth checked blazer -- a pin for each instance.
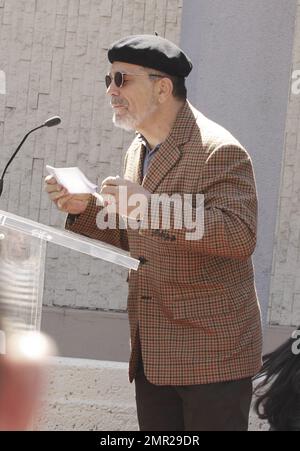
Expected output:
(192, 305)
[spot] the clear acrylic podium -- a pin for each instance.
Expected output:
(22, 265)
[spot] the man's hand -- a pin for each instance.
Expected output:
(69, 203)
(128, 196)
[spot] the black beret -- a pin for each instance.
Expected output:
(153, 52)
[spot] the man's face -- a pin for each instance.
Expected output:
(134, 103)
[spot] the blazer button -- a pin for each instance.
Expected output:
(146, 298)
(143, 260)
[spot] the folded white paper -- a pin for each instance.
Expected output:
(73, 180)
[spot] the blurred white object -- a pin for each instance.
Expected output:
(2, 342)
(30, 346)
(2, 82)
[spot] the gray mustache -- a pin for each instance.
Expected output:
(118, 102)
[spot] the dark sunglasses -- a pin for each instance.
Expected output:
(118, 78)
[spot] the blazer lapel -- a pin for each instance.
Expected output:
(140, 166)
(166, 158)
(169, 152)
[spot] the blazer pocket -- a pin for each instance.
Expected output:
(198, 302)
(225, 334)
(219, 318)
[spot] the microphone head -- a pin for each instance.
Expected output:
(55, 120)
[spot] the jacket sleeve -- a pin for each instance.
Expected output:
(229, 208)
(86, 224)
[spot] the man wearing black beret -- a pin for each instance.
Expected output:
(153, 52)
(193, 311)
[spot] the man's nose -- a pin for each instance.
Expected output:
(113, 90)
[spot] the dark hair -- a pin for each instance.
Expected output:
(279, 403)
(179, 88)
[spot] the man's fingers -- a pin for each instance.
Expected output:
(108, 190)
(112, 181)
(50, 179)
(108, 181)
(81, 197)
(55, 195)
(76, 198)
(61, 203)
(50, 188)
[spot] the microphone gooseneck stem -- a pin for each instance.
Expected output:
(18, 148)
(49, 123)
(14, 154)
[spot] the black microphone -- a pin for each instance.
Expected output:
(55, 120)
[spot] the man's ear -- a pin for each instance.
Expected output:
(165, 89)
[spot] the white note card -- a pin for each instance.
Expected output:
(73, 180)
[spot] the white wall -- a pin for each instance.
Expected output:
(242, 51)
(284, 306)
(54, 56)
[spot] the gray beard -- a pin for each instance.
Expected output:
(126, 123)
(130, 123)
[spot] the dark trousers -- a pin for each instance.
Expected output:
(214, 407)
